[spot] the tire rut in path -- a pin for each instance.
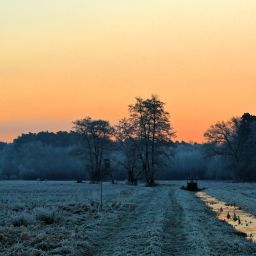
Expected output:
(175, 241)
(138, 232)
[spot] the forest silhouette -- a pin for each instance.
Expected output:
(140, 147)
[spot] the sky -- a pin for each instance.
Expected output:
(62, 60)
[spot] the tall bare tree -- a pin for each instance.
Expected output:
(152, 128)
(96, 136)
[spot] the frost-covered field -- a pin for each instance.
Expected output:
(64, 218)
(241, 194)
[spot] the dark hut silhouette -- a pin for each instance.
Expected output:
(192, 185)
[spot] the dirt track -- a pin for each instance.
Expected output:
(169, 221)
(135, 220)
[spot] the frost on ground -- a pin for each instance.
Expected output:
(242, 221)
(64, 218)
(240, 194)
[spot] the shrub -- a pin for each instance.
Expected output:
(47, 216)
(22, 219)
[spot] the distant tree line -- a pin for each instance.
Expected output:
(139, 147)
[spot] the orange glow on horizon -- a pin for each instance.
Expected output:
(63, 60)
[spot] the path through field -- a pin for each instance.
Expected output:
(169, 221)
(135, 220)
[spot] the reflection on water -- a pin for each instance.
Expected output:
(242, 221)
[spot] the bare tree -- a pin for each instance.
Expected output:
(152, 128)
(96, 136)
(124, 134)
(234, 141)
(222, 138)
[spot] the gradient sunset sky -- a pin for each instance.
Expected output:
(61, 60)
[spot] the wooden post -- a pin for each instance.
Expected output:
(101, 193)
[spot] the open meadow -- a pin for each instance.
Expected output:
(64, 218)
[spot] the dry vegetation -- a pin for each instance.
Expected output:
(64, 218)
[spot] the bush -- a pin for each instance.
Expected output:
(47, 216)
(22, 219)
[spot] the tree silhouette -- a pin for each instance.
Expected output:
(96, 136)
(124, 134)
(235, 140)
(152, 128)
